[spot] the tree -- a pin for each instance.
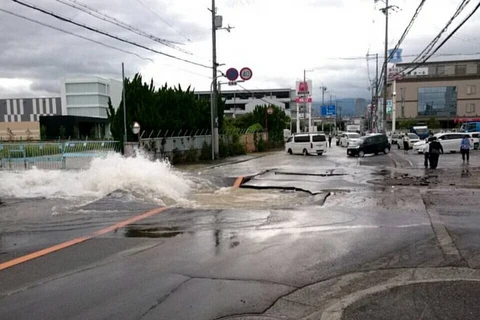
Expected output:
(433, 123)
(407, 124)
(43, 133)
(62, 132)
(76, 132)
(165, 108)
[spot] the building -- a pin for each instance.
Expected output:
(88, 97)
(83, 97)
(448, 91)
(239, 102)
(19, 118)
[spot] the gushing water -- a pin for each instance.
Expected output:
(155, 180)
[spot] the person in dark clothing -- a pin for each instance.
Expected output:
(434, 150)
(330, 140)
(465, 147)
(426, 154)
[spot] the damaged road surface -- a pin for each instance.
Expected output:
(303, 238)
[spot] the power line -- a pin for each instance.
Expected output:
(104, 17)
(405, 33)
(430, 46)
(73, 34)
(108, 35)
(159, 17)
(445, 40)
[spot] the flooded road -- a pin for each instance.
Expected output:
(299, 235)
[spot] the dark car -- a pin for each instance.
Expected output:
(374, 143)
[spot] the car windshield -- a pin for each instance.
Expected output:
(413, 136)
(353, 136)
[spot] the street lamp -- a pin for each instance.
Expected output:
(136, 130)
(268, 111)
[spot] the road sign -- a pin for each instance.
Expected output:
(246, 74)
(329, 110)
(389, 106)
(232, 74)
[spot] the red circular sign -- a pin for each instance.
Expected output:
(246, 74)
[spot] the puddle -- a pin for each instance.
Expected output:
(328, 174)
(157, 232)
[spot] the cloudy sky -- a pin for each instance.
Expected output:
(277, 39)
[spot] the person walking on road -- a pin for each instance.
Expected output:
(405, 143)
(330, 140)
(426, 154)
(465, 147)
(434, 150)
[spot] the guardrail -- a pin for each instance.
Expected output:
(54, 155)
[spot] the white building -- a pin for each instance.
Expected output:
(88, 96)
(240, 102)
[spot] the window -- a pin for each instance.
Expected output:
(472, 89)
(440, 70)
(318, 137)
(470, 108)
(437, 101)
(461, 69)
(302, 139)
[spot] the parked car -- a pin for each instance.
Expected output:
(412, 139)
(306, 144)
(374, 143)
(348, 137)
(395, 138)
(476, 139)
(450, 142)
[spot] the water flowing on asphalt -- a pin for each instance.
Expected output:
(152, 180)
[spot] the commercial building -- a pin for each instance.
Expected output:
(19, 118)
(448, 91)
(239, 102)
(83, 97)
(88, 97)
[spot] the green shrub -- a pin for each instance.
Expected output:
(206, 152)
(191, 155)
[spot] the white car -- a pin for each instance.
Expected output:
(476, 139)
(420, 146)
(412, 139)
(450, 142)
(348, 137)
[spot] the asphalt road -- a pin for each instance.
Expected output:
(330, 237)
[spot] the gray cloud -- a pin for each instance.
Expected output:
(43, 55)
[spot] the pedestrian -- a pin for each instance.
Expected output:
(330, 140)
(405, 143)
(465, 147)
(434, 150)
(426, 153)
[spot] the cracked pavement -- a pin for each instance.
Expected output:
(328, 237)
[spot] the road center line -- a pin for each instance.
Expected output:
(75, 241)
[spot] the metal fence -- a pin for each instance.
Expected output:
(53, 155)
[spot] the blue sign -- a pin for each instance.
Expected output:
(232, 74)
(329, 110)
(395, 56)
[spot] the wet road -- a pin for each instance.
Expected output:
(328, 237)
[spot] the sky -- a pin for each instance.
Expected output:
(277, 39)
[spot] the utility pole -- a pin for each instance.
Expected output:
(385, 82)
(124, 109)
(305, 96)
(213, 102)
(323, 88)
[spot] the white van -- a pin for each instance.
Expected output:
(306, 143)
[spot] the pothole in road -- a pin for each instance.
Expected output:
(407, 180)
(156, 232)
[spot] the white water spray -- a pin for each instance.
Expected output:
(155, 180)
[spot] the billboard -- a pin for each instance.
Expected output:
(304, 88)
(329, 110)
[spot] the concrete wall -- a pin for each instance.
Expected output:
(20, 130)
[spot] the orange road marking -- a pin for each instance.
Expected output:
(238, 182)
(73, 242)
